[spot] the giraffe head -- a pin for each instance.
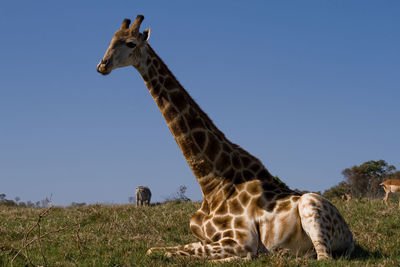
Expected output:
(126, 47)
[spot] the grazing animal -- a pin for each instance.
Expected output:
(390, 186)
(245, 209)
(143, 196)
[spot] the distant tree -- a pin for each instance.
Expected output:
(301, 192)
(179, 196)
(337, 191)
(30, 204)
(9, 202)
(363, 180)
(395, 175)
(17, 199)
(131, 200)
(45, 203)
(280, 181)
(182, 192)
(6, 202)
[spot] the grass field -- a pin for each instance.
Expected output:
(119, 235)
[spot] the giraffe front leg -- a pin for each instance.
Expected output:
(225, 250)
(166, 249)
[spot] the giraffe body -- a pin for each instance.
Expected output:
(245, 209)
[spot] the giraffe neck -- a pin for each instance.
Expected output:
(214, 160)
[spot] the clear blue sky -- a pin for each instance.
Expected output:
(309, 87)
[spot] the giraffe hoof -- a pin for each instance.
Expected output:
(323, 257)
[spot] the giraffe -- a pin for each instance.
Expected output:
(245, 210)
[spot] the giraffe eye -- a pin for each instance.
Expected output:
(131, 45)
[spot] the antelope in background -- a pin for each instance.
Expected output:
(390, 186)
(346, 197)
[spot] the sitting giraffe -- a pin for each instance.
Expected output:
(390, 186)
(245, 209)
(143, 196)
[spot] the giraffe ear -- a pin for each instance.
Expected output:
(146, 34)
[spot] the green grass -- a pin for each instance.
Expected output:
(119, 235)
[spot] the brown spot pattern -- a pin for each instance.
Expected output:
(169, 113)
(223, 162)
(254, 188)
(178, 100)
(223, 223)
(178, 127)
(210, 230)
(235, 207)
(244, 198)
(222, 209)
(227, 234)
(284, 206)
(240, 223)
(170, 83)
(212, 148)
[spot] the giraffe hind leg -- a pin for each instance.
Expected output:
(325, 226)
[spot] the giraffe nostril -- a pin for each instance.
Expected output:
(105, 62)
(104, 67)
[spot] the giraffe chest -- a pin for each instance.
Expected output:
(237, 227)
(281, 228)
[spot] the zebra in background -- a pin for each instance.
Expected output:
(143, 196)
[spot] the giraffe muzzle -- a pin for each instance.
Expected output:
(104, 67)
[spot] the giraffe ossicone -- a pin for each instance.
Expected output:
(245, 209)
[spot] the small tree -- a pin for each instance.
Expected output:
(180, 195)
(395, 175)
(364, 180)
(337, 191)
(131, 200)
(45, 202)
